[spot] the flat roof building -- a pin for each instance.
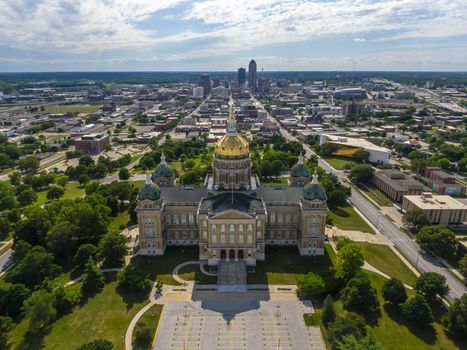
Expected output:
(92, 143)
(439, 209)
(395, 184)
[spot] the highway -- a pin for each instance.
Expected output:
(407, 246)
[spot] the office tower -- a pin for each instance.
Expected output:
(252, 75)
(205, 83)
(241, 76)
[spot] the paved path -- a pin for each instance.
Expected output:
(177, 268)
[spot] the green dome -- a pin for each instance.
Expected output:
(163, 169)
(149, 191)
(314, 190)
(300, 169)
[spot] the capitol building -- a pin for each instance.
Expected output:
(232, 217)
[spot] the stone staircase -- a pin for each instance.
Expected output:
(231, 276)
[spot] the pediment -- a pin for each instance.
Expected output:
(232, 214)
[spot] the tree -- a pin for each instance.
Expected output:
(60, 239)
(34, 268)
(112, 249)
(463, 266)
(361, 173)
(7, 196)
(438, 241)
(368, 342)
(432, 285)
(415, 219)
(352, 324)
(86, 160)
(361, 156)
(6, 325)
(15, 178)
(456, 318)
(84, 252)
(342, 241)
(12, 299)
(55, 192)
(329, 313)
(123, 174)
(418, 311)
(27, 197)
(62, 180)
(98, 344)
(134, 279)
(83, 179)
(359, 295)
(33, 226)
(29, 164)
(41, 309)
(5, 227)
(311, 284)
(349, 261)
(143, 335)
(93, 278)
(20, 250)
(338, 197)
(394, 291)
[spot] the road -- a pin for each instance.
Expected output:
(5, 260)
(407, 246)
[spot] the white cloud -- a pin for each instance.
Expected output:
(359, 39)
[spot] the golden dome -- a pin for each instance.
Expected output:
(231, 146)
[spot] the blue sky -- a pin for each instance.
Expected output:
(206, 35)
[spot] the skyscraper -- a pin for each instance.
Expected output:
(252, 75)
(205, 83)
(241, 76)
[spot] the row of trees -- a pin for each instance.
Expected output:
(89, 169)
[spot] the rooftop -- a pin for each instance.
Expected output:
(428, 201)
(355, 142)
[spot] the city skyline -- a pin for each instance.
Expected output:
(178, 35)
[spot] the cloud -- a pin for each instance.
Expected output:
(359, 39)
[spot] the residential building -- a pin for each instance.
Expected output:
(442, 182)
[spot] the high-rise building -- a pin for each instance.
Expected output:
(198, 92)
(241, 76)
(205, 82)
(252, 75)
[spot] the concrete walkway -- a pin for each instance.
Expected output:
(177, 268)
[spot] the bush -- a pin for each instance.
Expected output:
(394, 291)
(311, 284)
(342, 326)
(98, 344)
(417, 311)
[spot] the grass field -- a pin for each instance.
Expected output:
(106, 315)
(121, 219)
(385, 260)
(193, 273)
(72, 190)
(284, 265)
(379, 197)
(71, 109)
(339, 163)
(346, 218)
(150, 318)
(161, 267)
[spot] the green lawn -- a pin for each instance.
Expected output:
(161, 267)
(284, 265)
(105, 315)
(72, 190)
(193, 273)
(339, 163)
(72, 109)
(121, 219)
(151, 318)
(346, 218)
(379, 197)
(385, 260)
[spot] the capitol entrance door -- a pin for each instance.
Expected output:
(223, 254)
(231, 255)
(240, 255)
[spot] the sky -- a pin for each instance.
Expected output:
(222, 35)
